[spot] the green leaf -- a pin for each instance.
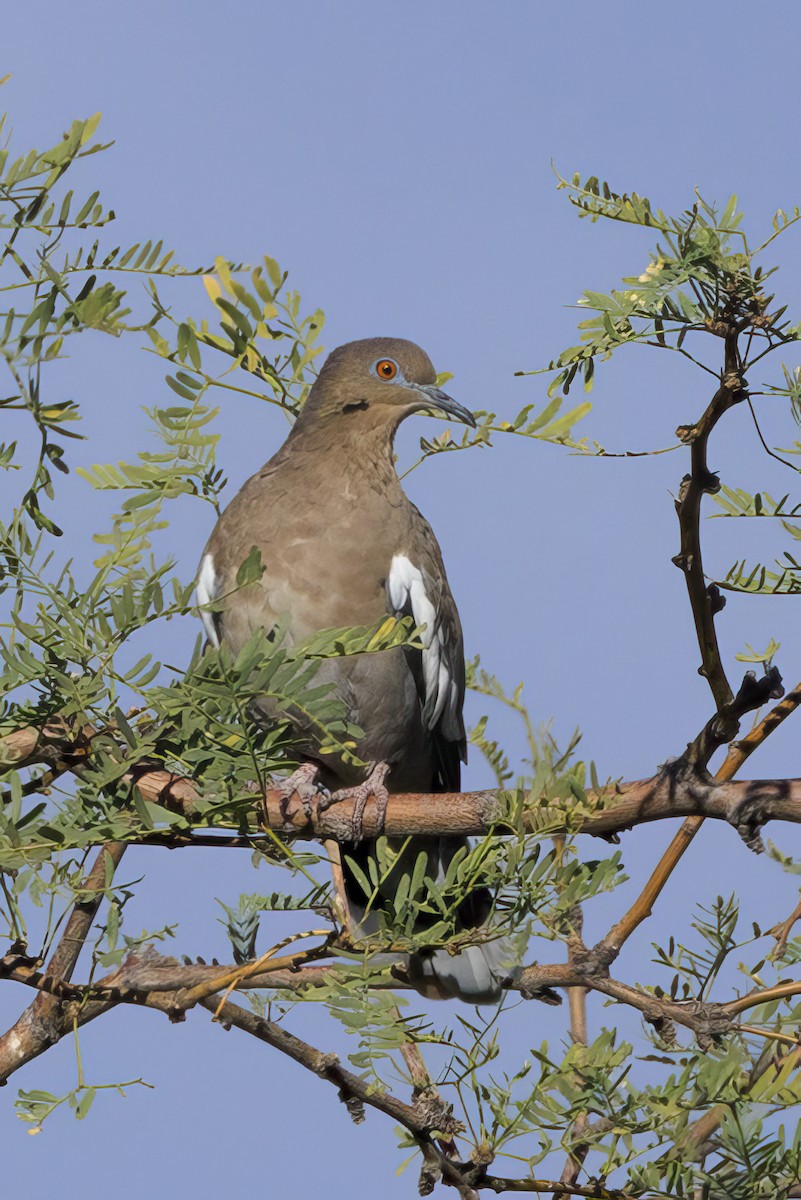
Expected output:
(251, 569)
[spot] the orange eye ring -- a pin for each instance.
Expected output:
(385, 368)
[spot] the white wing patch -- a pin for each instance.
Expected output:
(407, 589)
(206, 591)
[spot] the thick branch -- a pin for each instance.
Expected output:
(594, 1191)
(674, 792)
(146, 979)
(146, 973)
(745, 804)
(57, 744)
(45, 1021)
(681, 789)
(706, 1021)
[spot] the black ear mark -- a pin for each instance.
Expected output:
(355, 406)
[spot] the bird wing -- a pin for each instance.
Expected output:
(417, 587)
(207, 590)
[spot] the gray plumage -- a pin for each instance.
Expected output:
(341, 545)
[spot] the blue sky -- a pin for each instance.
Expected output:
(396, 159)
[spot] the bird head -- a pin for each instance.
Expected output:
(385, 380)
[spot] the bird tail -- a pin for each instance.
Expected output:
(475, 974)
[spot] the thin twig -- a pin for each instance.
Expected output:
(424, 1119)
(577, 1001)
(771, 1034)
(593, 1191)
(236, 977)
(781, 991)
(765, 445)
(781, 932)
(694, 487)
(577, 1006)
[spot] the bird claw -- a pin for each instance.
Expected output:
(303, 783)
(360, 794)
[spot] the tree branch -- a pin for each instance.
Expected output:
(594, 1191)
(44, 1022)
(673, 792)
(705, 1020)
(737, 754)
(423, 1119)
(146, 979)
(152, 980)
(327, 1066)
(745, 804)
(705, 601)
(701, 1130)
(577, 1004)
(57, 743)
(782, 931)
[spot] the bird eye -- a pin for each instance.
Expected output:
(385, 368)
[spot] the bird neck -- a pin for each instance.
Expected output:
(354, 443)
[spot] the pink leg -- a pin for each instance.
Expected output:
(361, 793)
(304, 782)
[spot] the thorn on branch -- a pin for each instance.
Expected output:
(714, 1024)
(724, 726)
(482, 1155)
(752, 694)
(594, 963)
(354, 1105)
(612, 839)
(430, 1175)
(717, 601)
(544, 994)
(664, 1027)
(749, 819)
(325, 1063)
(435, 1115)
(735, 384)
(684, 490)
(17, 957)
(755, 692)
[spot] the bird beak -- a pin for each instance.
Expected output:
(437, 399)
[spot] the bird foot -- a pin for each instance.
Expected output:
(360, 794)
(303, 781)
